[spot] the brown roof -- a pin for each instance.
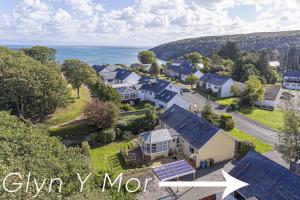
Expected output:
(272, 91)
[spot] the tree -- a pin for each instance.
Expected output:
(271, 76)
(29, 88)
(228, 64)
(28, 148)
(208, 114)
(41, 53)
(105, 93)
(230, 51)
(101, 114)
(247, 71)
(289, 143)
(150, 119)
(194, 57)
(254, 91)
(264, 61)
(154, 69)
(147, 57)
(107, 135)
(78, 73)
(192, 79)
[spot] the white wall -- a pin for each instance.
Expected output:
(179, 101)
(226, 88)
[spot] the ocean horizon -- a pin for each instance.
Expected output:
(94, 55)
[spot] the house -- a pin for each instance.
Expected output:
(104, 68)
(127, 76)
(271, 96)
(267, 179)
(219, 85)
(183, 69)
(141, 67)
(129, 93)
(193, 136)
(291, 80)
(167, 98)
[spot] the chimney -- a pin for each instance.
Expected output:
(295, 167)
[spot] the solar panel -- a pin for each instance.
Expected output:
(174, 170)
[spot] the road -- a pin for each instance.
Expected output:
(243, 123)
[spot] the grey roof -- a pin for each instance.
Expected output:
(185, 68)
(214, 79)
(109, 75)
(122, 90)
(157, 86)
(292, 73)
(108, 68)
(166, 96)
(156, 136)
(267, 179)
(195, 130)
(272, 92)
(144, 79)
(122, 73)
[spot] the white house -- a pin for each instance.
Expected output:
(129, 93)
(291, 80)
(167, 98)
(183, 69)
(271, 96)
(219, 85)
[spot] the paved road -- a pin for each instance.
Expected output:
(242, 123)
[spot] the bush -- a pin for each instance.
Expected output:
(127, 107)
(107, 135)
(226, 122)
(245, 147)
(122, 125)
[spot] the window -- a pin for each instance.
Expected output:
(216, 87)
(153, 150)
(126, 96)
(160, 147)
(191, 149)
(147, 148)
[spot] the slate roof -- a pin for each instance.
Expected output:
(214, 79)
(185, 68)
(267, 179)
(100, 68)
(144, 79)
(272, 92)
(195, 130)
(166, 96)
(122, 73)
(292, 73)
(157, 87)
(156, 136)
(109, 75)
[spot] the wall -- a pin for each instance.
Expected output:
(226, 88)
(179, 101)
(133, 78)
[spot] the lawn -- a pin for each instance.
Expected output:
(102, 155)
(73, 110)
(226, 101)
(272, 119)
(261, 146)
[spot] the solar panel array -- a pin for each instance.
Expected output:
(173, 170)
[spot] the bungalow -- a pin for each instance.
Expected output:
(183, 70)
(291, 80)
(267, 179)
(193, 136)
(271, 95)
(127, 76)
(167, 98)
(220, 85)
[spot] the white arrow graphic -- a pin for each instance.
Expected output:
(231, 184)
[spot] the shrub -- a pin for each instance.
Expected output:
(245, 147)
(107, 135)
(127, 107)
(122, 125)
(226, 122)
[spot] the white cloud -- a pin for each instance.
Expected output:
(143, 23)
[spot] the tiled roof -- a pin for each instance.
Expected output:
(166, 96)
(157, 87)
(267, 179)
(122, 73)
(156, 136)
(195, 130)
(271, 92)
(292, 73)
(214, 79)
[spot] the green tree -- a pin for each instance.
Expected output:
(230, 51)
(101, 114)
(105, 93)
(28, 148)
(147, 57)
(29, 88)
(254, 91)
(192, 79)
(41, 53)
(154, 69)
(150, 119)
(247, 71)
(289, 143)
(78, 73)
(208, 114)
(194, 57)
(271, 76)
(228, 64)
(264, 60)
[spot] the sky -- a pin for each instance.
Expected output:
(139, 22)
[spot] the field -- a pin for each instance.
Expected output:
(261, 146)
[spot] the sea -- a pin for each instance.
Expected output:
(94, 55)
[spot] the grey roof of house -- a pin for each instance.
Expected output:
(157, 87)
(166, 96)
(292, 73)
(109, 75)
(185, 68)
(99, 68)
(214, 79)
(267, 179)
(272, 92)
(122, 73)
(144, 79)
(156, 136)
(122, 90)
(195, 130)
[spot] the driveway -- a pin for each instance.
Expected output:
(242, 123)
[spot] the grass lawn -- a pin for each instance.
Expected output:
(102, 155)
(226, 101)
(272, 119)
(261, 146)
(73, 110)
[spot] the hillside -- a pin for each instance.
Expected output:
(207, 45)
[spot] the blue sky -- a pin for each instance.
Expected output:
(139, 22)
